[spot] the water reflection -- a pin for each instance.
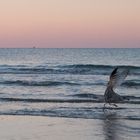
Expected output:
(110, 128)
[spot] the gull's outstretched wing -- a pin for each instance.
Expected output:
(117, 77)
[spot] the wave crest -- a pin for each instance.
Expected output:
(66, 69)
(39, 83)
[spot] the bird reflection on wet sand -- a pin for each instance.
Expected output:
(117, 127)
(110, 126)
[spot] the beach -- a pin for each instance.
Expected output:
(46, 128)
(54, 128)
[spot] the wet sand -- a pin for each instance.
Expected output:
(53, 128)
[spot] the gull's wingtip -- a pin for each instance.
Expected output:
(113, 72)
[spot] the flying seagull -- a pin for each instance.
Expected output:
(116, 78)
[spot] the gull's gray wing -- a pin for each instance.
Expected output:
(117, 77)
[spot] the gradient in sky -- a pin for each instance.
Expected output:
(69, 23)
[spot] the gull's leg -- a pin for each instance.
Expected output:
(104, 106)
(113, 104)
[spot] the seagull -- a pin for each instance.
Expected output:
(116, 78)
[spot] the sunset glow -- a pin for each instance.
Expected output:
(69, 23)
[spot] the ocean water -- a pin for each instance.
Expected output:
(69, 83)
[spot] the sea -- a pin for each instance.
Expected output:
(69, 83)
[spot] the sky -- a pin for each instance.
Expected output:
(69, 23)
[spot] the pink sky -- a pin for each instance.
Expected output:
(69, 23)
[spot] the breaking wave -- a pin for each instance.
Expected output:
(127, 83)
(37, 83)
(66, 69)
(77, 98)
(132, 83)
